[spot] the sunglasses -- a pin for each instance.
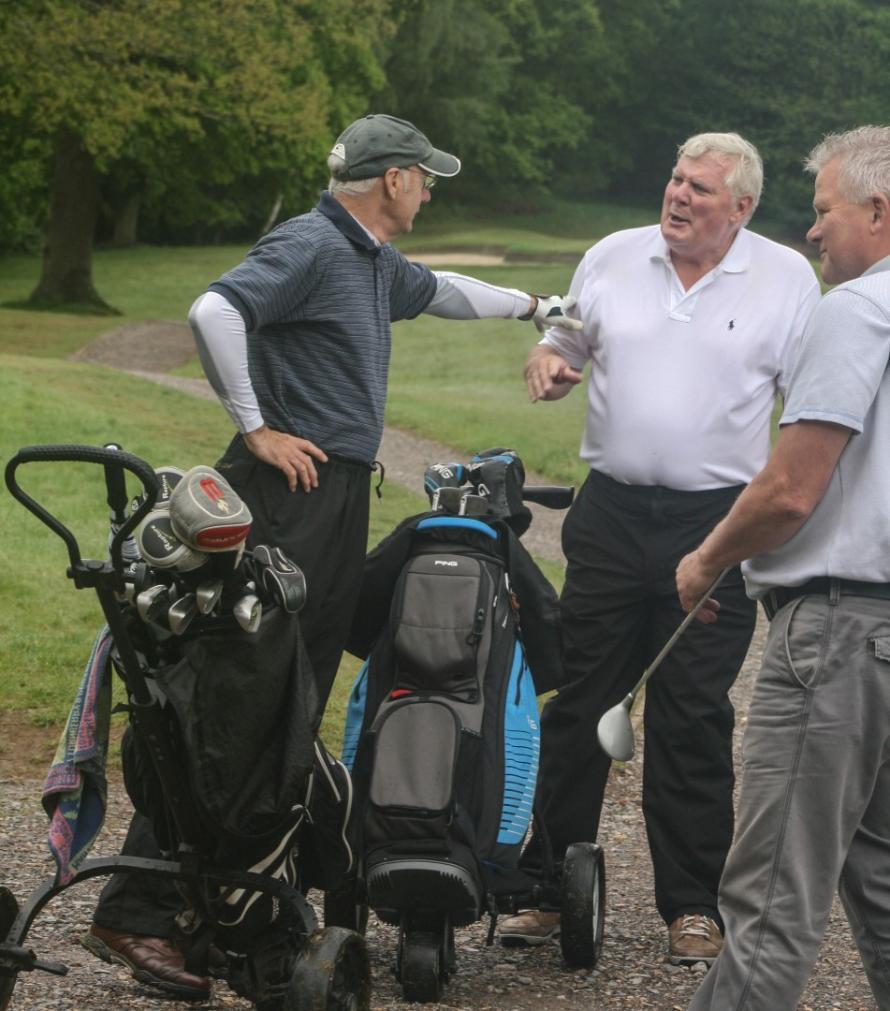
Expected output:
(429, 181)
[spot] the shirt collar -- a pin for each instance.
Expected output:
(344, 222)
(736, 260)
(878, 267)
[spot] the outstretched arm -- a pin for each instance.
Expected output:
(460, 297)
(221, 339)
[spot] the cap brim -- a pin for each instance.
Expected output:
(439, 163)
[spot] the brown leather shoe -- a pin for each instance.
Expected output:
(694, 938)
(154, 961)
(532, 928)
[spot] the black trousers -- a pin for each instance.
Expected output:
(619, 606)
(326, 533)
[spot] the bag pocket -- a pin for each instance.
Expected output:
(440, 617)
(411, 790)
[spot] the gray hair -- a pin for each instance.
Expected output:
(745, 178)
(348, 187)
(864, 156)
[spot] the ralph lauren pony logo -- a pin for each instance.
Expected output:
(730, 325)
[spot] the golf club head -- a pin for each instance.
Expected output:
(153, 602)
(282, 580)
(447, 499)
(248, 612)
(473, 505)
(181, 613)
(207, 595)
(615, 732)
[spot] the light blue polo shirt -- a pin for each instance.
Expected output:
(841, 376)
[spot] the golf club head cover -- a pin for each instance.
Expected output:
(160, 546)
(168, 479)
(443, 475)
(206, 512)
(282, 579)
(498, 474)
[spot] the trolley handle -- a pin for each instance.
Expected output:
(115, 461)
(549, 495)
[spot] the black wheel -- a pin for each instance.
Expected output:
(341, 909)
(9, 910)
(421, 967)
(331, 974)
(583, 904)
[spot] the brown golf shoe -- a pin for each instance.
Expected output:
(533, 927)
(154, 961)
(694, 938)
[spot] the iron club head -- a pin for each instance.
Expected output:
(181, 613)
(615, 732)
(207, 595)
(248, 612)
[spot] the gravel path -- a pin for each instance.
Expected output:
(632, 972)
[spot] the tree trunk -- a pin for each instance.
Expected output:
(67, 276)
(126, 219)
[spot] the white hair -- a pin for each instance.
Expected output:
(864, 161)
(348, 187)
(745, 178)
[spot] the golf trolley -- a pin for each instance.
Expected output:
(191, 618)
(460, 631)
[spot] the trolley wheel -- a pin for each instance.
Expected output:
(420, 965)
(583, 904)
(332, 973)
(342, 909)
(9, 910)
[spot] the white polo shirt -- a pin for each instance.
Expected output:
(683, 383)
(841, 376)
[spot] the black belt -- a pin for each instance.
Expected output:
(822, 586)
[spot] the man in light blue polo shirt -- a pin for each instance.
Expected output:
(814, 810)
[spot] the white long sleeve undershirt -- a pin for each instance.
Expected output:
(221, 336)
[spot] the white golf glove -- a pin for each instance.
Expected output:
(552, 310)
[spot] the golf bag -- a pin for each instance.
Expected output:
(442, 729)
(221, 754)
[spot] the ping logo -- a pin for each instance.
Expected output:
(442, 561)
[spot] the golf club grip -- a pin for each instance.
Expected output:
(116, 485)
(549, 495)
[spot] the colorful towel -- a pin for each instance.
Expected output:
(75, 791)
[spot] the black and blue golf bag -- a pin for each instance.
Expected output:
(442, 733)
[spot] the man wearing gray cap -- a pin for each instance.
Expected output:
(296, 342)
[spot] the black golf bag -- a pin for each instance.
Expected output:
(461, 633)
(221, 754)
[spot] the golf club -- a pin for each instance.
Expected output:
(614, 730)
(181, 613)
(282, 580)
(207, 595)
(248, 612)
(153, 602)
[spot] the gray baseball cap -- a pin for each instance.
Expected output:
(371, 145)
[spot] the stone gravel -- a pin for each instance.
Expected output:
(632, 972)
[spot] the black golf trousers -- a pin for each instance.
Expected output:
(325, 532)
(619, 606)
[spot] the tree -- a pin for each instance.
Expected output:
(161, 94)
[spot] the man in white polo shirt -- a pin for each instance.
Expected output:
(814, 808)
(691, 327)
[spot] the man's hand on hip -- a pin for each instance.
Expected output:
(292, 455)
(548, 375)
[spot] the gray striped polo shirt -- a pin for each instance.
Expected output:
(318, 297)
